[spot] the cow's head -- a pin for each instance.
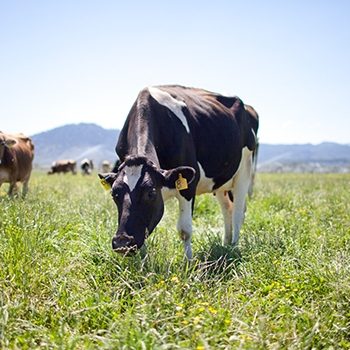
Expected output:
(136, 190)
(6, 141)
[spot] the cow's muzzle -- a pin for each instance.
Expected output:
(124, 245)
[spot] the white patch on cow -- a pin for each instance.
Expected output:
(132, 175)
(166, 100)
(205, 184)
(168, 193)
(246, 160)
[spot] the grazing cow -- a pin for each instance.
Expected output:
(86, 166)
(179, 142)
(63, 166)
(16, 158)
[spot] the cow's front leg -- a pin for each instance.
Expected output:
(184, 224)
(13, 189)
(226, 210)
(25, 187)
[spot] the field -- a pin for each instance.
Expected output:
(287, 285)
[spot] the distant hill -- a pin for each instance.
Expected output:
(325, 157)
(326, 151)
(75, 141)
(91, 141)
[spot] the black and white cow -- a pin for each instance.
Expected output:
(86, 166)
(175, 135)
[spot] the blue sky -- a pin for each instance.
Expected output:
(65, 62)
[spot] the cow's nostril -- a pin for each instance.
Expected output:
(123, 242)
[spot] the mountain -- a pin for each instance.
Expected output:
(324, 157)
(75, 141)
(326, 151)
(78, 141)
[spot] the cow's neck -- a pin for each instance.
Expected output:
(141, 141)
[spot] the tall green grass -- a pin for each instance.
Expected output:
(287, 286)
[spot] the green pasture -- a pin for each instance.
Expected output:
(286, 286)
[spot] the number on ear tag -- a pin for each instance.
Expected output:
(105, 184)
(181, 183)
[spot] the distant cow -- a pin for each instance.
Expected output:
(63, 166)
(16, 158)
(106, 166)
(179, 142)
(86, 166)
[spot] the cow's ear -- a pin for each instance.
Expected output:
(107, 180)
(10, 142)
(179, 177)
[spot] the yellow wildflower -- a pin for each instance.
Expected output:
(212, 310)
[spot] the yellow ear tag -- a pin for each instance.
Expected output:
(105, 184)
(181, 183)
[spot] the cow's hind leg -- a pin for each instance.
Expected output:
(184, 224)
(240, 189)
(26, 185)
(226, 209)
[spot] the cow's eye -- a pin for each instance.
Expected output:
(152, 194)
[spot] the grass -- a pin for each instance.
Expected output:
(286, 287)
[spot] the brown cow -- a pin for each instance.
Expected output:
(63, 166)
(16, 158)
